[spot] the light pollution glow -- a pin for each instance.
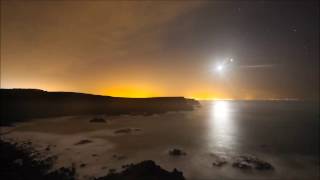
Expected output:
(148, 49)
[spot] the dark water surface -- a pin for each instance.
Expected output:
(276, 127)
(284, 133)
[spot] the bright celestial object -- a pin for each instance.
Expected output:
(219, 67)
(224, 64)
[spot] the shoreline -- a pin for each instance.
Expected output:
(93, 156)
(95, 144)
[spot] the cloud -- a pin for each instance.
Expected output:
(258, 66)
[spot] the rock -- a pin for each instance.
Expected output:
(248, 162)
(177, 152)
(126, 130)
(27, 143)
(62, 173)
(144, 170)
(35, 154)
(219, 163)
(119, 157)
(127, 166)
(177, 173)
(84, 141)
(18, 162)
(261, 165)
(242, 165)
(111, 171)
(98, 120)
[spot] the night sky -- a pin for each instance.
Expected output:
(144, 48)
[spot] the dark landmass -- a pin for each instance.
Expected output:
(19, 162)
(145, 170)
(22, 104)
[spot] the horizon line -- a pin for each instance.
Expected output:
(187, 97)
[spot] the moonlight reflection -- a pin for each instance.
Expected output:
(221, 125)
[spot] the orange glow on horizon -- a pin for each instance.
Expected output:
(208, 95)
(131, 92)
(146, 90)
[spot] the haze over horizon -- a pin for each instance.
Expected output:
(149, 49)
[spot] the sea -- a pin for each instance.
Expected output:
(282, 133)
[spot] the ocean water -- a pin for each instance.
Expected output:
(283, 133)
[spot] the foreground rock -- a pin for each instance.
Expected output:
(84, 141)
(19, 162)
(177, 152)
(145, 170)
(119, 157)
(126, 130)
(218, 160)
(249, 162)
(98, 120)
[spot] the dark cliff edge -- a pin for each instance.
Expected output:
(23, 104)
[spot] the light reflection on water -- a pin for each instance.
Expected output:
(221, 125)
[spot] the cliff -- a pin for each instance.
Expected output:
(22, 104)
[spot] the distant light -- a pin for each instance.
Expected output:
(231, 59)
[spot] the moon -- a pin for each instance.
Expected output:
(224, 64)
(219, 68)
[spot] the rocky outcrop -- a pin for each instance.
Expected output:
(22, 162)
(127, 130)
(119, 156)
(98, 120)
(177, 152)
(145, 170)
(249, 162)
(84, 141)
